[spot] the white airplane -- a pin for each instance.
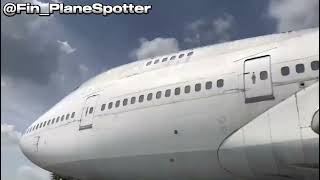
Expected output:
(246, 109)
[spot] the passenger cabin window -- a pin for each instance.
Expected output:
(103, 107)
(117, 103)
(158, 95)
(45, 123)
(173, 57)
(285, 71)
(62, 117)
(40, 125)
(49, 122)
(141, 97)
(156, 61)
(181, 55)
(315, 65)
(53, 120)
(187, 89)
(73, 114)
(197, 87)
(167, 93)
(148, 63)
(133, 100)
(57, 119)
(209, 85)
(37, 126)
(149, 97)
(263, 75)
(300, 68)
(125, 102)
(220, 83)
(177, 91)
(110, 105)
(67, 117)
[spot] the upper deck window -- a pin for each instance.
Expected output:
(173, 57)
(117, 103)
(110, 105)
(133, 100)
(158, 95)
(197, 87)
(165, 59)
(141, 97)
(300, 68)
(149, 97)
(208, 84)
(177, 91)
(190, 53)
(315, 65)
(181, 55)
(103, 107)
(187, 89)
(125, 102)
(167, 93)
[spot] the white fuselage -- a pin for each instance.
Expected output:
(179, 134)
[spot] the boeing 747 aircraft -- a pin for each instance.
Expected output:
(246, 109)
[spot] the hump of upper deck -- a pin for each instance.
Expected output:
(149, 64)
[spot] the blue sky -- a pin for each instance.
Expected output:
(44, 58)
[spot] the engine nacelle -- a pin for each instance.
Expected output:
(279, 143)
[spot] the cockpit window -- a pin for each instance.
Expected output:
(62, 117)
(67, 117)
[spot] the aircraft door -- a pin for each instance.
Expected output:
(257, 79)
(88, 112)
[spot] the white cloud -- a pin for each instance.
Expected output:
(294, 14)
(201, 32)
(32, 173)
(65, 47)
(56, 1)
(9, 136)
(156, 47)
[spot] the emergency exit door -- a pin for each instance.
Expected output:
(88, 111)
(258, 79)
